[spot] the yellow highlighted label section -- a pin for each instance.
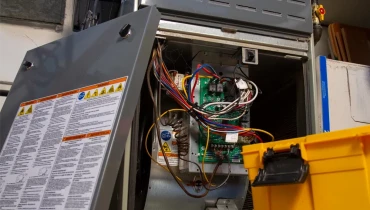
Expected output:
(29, 110)
(88, 95)
(21, 112)
(103, 91)
(119, 88)
(166, 148)
(111, 89)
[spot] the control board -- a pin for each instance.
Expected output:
(212, 90)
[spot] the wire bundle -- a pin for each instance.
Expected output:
(202, 113)
(207, 119)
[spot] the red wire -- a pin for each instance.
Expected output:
(259, 138)
(195, 84)
(209, 72)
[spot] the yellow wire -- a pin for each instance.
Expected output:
(207, 143)
(147, 135)
(183, 83)
(247, 129)
(262, 131)
(204, 155)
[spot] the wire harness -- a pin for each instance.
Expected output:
(246, 91)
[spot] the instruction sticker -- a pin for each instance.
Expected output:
(169, 144)
(54, 150)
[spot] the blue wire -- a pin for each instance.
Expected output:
(209, 66)
(194, 73)
(218, 124)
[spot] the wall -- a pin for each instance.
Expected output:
(353, 12)
(17, 38)
(322, 46)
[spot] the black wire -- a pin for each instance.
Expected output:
(237, 66)
(201, 173)
(195, 56)
(156, 115)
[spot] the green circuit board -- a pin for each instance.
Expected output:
(217, 142)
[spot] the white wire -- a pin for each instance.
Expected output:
(225, 109)
(244, 95)
(240, 103)
(228, 174)
(222, 131)
(235, 118)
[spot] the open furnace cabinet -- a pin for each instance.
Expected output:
(122, 48)
(280, 65)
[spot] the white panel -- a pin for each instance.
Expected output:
(340, 96)
(359, 89)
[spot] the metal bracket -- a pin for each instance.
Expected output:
(224, 204)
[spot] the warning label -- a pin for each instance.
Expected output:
(166, 148)
(169, 144)
(54, 151)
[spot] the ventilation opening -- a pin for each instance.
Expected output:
(268, 12)
(296, 18)
(251, 9)
(219, 3)
(302, 3)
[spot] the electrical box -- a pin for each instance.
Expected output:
(199, 104)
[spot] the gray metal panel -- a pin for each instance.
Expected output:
(241, 39)
(291, 15)
(165, 194)
(50, 11)
(89, 57)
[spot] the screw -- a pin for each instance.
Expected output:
(27, 64)
(125, 31)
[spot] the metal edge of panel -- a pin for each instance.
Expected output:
(213, 34)
(112, 159)
(132, 156)
(127, 172)
(237, 27)
(313, 110)
(164, 34)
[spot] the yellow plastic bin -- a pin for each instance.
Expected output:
(338, 177)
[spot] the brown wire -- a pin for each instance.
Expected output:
(156, 115)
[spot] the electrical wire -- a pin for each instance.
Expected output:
(204, 156)
(226, 179)
(203, 160)
(165, 168)
(160, 141)
(241, 70)
(203, 114)
(147, 136)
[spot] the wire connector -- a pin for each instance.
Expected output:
(241, 84)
